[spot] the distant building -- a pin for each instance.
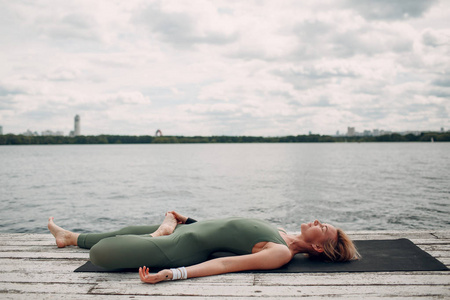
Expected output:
(52, 133)
(76, 131)
(376, 132)
(350, 131)
(30, 133)
(1, 130)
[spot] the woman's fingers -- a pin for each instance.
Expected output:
(150, 278)
(180, 218)
(141, 274)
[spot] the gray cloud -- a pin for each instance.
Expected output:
(323, 102)
(6, 103)
(71, 26)
(443, 80)
(179, 29)
(429, 39)
(391, 10)
(431, 109)
(370, 112)
(356, 42)
(435, 39)
(369, 88)
(440, 93)
(318, 39)
(310, 77)
(7, 91)
(281, 93)
(40, 114)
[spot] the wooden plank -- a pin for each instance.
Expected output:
(316, 279)
(27, 236)
(42, 248)
(156, 297)
(439, 278)
(182, 289)
(376, 278)
(41, 255)
(391, 232)
(101, 297)
(445, 261)
(392, 235)
(430, 242)
(444, 234)
(438, 247)
(18, 243)
(117, 278)
(42, 288)
(38, 265)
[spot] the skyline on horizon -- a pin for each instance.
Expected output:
(351, 131)
(225, 68)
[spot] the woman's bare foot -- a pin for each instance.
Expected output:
(167, 227)
(63, 237)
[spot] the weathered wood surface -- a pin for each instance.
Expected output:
(32, 266)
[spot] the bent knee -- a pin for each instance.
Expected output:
(100, 255)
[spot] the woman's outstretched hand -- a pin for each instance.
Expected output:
(180, 218)
(154, 278)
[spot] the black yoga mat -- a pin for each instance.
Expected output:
(377, 256)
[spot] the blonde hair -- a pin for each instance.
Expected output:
(341, 249)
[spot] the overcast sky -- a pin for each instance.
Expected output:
(266, 68)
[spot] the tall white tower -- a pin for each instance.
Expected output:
(76, 131)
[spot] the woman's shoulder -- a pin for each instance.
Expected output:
(280, 252)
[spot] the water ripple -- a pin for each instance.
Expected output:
(373, 186)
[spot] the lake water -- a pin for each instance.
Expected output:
(366, 186)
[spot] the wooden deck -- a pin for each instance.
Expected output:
(32, 267)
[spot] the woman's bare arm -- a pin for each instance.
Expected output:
(273, 257)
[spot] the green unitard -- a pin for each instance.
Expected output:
(133, 247)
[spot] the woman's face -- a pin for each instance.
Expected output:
(318, 233)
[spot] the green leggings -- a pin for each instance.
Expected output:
(130, 247)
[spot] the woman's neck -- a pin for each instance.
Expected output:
(296, 244)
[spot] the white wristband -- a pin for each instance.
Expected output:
(183, 273)
(179, 273)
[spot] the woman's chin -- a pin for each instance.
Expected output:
(303, 227)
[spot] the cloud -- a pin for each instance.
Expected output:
(70, 26)
(310, 76)
(443, 81)
(64, 74)
(329, 38)
(181, 29)
(435, 38)
(7, 90)
(391, 10)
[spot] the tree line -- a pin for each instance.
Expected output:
(12, 139)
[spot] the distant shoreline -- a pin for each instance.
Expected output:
(12, 139)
